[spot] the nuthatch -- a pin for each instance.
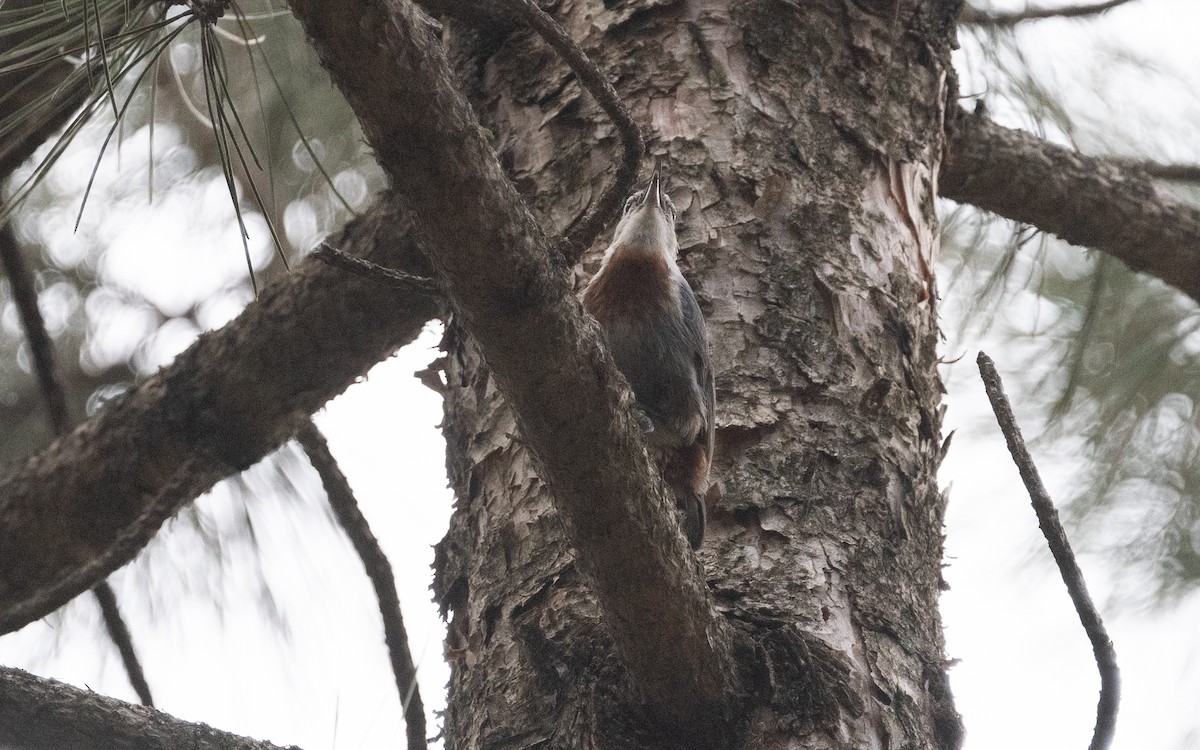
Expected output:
(656, 335)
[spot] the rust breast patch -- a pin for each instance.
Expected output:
(632, 283)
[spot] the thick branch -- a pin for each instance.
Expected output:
(513, 295)
(42, 714)
(976, 17)
(231, 398)
(1082, 199)
(1060, 547)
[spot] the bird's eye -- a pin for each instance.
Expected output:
(630, 202)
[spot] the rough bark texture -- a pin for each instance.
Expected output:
(510, 290)
(802, 141)
(231, 398)
(1085, 200)
(41, 714)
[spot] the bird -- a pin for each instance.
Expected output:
(654, 329)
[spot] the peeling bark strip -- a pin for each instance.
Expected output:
(512, 294)
(42, 714)
(802, 146)
(234, 395)
(1085, 200)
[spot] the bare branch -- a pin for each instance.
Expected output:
(1163, 171)
(1084, 200)
(1060, 547)
(228, 400)
(42, 714)
(330, 255)
(379, 570)
(114, 622)
(41, 349)
(580, 238)
(976, 17)
(24, 293)
(514, 297)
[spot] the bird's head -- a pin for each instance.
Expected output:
(648, 224)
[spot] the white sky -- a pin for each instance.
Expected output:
(1025, 678)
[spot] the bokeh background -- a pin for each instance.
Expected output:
(251, 612)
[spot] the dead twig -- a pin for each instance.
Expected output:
(119, 633)
(24, 291)
(1056, 539)
(379, 570)
(331, 256)
(580, 237)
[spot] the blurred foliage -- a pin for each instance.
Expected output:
(1110, 357)
(123, 295)
(157, 256)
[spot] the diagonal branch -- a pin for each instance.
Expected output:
(25, 297)
(42, 714)
(976, 17)
(514, 297)
(580, 238)
(228, 400)
(1060, 547)
(1085, 200)
(379, 570)
(118, 631)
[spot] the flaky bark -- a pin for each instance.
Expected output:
(802, 149)
(230, 399)
(41, 714)
(1085, 200)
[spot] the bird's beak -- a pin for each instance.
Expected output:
(654, 191)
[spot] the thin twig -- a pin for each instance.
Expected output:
(1056, 539)
(24, 291)
(379, 570)
(580, 237)
(331, 256)
(976, 17)
(120, 636)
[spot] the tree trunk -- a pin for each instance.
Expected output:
(802, 143)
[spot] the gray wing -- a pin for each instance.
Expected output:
(697, 335)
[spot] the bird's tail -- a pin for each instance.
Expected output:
(691, 504)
